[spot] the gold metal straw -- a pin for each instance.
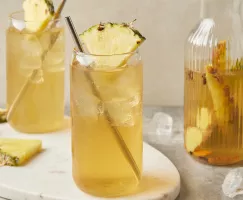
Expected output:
(116, 133)
(36, 71)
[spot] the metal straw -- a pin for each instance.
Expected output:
(35, 71)
(126, 152)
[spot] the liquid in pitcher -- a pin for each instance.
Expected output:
(214, 110)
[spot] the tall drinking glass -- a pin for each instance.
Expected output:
(41, 107)
(100, 166)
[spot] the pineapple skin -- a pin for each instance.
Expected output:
(15, 152)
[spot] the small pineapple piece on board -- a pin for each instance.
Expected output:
(15, 152)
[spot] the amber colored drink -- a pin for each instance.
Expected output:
(213, 115)
(99, 165)
(41, 108)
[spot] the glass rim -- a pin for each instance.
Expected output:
(77, 52)
(13, 17)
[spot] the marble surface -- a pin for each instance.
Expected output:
(198, 181)
(161, 179)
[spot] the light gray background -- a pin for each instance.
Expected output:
(165, 23)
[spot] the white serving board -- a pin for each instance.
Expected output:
(49, 175)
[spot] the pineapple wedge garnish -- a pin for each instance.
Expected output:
(15, 152)
(37, 14)
(111, 39)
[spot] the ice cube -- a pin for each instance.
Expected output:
(55, 56)
(85, 60)
(123, 111)
(233, 183)
(129, 82)
(18, 24)
(159, 128)
(54, 61)
(87, 105)
(31, 55)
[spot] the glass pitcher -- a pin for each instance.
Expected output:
(213, 90)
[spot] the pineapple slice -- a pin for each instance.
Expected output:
(15, 152)
(111, 39)
(38, 14)
(220, 93)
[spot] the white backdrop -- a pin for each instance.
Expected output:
(165, 23)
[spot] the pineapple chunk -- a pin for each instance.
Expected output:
(193, 138)
(14, 152)
(203, 118)
(219, 56)
(220, 93)
(217, 85)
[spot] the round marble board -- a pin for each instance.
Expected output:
(48, 176)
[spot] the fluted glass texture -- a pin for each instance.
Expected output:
(213, 90)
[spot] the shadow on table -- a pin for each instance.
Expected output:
(152, 185)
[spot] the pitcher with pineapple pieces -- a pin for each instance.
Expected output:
(214, 84)
(35, 45)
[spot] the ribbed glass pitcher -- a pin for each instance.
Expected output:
(213, 91)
